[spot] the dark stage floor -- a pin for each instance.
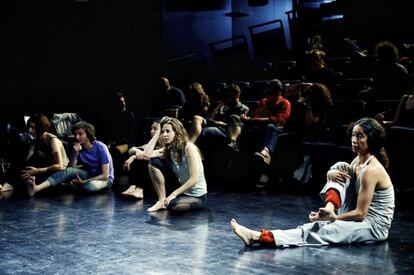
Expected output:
(107, 234)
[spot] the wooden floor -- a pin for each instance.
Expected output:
(107, 234)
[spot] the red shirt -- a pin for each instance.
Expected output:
(277, 111)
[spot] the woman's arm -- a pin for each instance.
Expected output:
(340, 171)
(214, 111)
(369, 181)
(139, 155)
(30, 152)
(389, 123)
(193, 155)
(74, 158)
(398, 111)
(58, 164)
(149, 149)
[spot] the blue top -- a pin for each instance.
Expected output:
(93, 159)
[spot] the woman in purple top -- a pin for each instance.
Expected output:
(90, 166)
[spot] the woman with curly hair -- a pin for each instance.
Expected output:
(184, 159)
(359, 199)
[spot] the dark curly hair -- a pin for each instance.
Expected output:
(87, 127)
(376, 138)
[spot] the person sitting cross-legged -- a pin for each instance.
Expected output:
(183, 158)
(95, 171)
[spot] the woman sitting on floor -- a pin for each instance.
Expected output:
(184, 159)
(137, 153)
(46, 155)
(361, 193)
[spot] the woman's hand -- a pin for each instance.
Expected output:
(324, 214)
(77, 181)
(77, 147)
(169, 199)
(379, 117)
(29, 171)
(127, 163)
(139, 155)
(338, 176)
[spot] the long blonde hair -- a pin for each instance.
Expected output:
(177, 146)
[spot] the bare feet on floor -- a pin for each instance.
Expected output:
(31, 186)
(248, 236)
(159, 205)
(138, 193)
(6, 187)
(129, 191)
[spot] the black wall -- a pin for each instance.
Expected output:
(71, 56)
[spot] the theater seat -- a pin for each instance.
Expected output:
(401, 150)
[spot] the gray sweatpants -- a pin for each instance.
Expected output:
(327, 232)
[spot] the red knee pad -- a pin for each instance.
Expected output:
(332, 196)
(266, 238)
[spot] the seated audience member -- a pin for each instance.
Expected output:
(90, 168)
(224, 122)
(122, 126)
(195, 108)
(173, 98)
(316, 70)
(273, 109)
(122, 132)
(45, 156)
(130, 165)
(183, 158)
(307, 114)
(404, 115)
(359, 200)
(390, 77)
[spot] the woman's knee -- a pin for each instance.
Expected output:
(197, 121)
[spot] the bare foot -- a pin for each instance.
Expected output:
(31, 186)
(129, 191)
(159, 205)
(324, 213)
(138, 193)
(6, 187)
(248, 236)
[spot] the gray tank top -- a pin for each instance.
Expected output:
(181, 170)
(381, 210)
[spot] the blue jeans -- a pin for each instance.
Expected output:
(214, 137)
(272, 134)
(70, 174)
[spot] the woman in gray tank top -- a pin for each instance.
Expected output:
(184, 159)
(364, 207)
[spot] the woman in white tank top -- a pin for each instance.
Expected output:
(365, 195)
